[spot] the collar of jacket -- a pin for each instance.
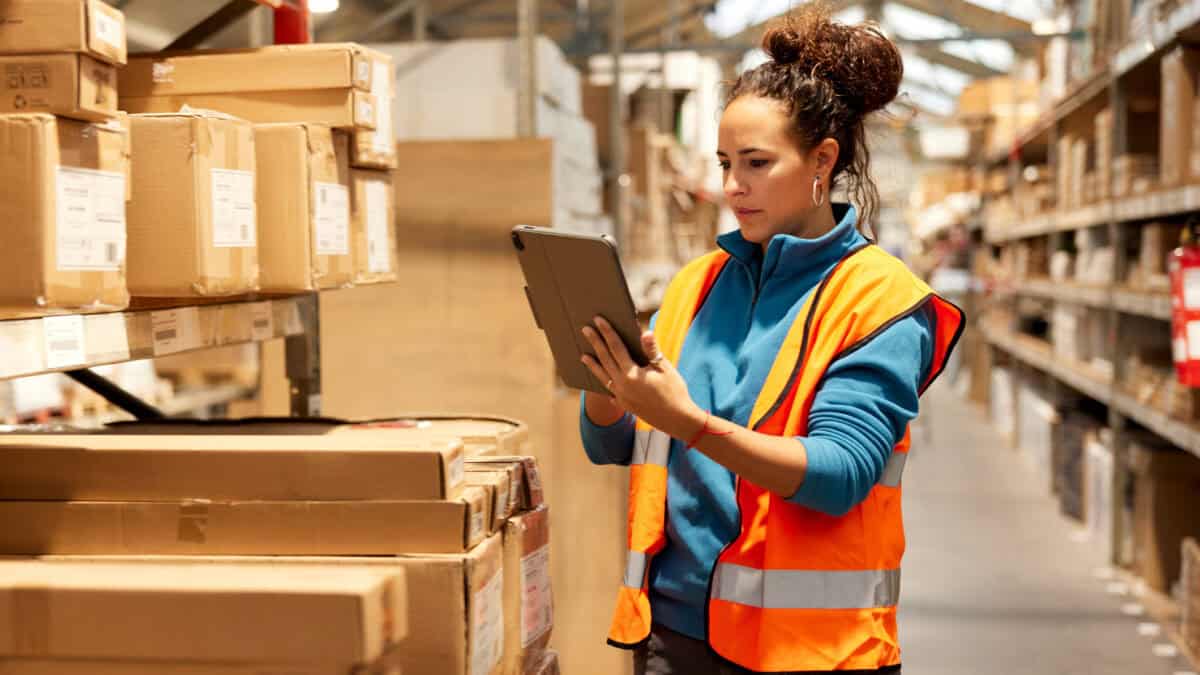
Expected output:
(788, 255)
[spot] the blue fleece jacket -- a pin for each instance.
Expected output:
(860, 411)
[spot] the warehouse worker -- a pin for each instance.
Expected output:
(767, 437)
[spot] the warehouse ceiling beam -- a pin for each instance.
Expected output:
(932, 54)
(969, 15)
(354, 31)
(216, 22)
(664, 21)
(753, 33)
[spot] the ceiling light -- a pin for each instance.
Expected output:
(322, 6)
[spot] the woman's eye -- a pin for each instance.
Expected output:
(724, 165)
(758, 163)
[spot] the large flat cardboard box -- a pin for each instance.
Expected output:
(62, 200)
(70, 85)
(25, 666)
(1180, 70)
(317, 84)
(528, 597)
(214, 527)
(282, 467)
(1166, 510)
(482, 435)
(376, 149)
(304, 217)
(455, 603)
(231, 613)
(90, 27)
(193, 224)
(373, 227)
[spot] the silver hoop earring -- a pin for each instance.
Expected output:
(818, 194)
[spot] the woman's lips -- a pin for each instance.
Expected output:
(747, 212)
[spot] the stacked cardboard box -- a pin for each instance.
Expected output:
(1180, 70)
(1104, 153)
(233, 618)
(469, 91)
(316, 492)
(1069, 462)
(1039, 422)
(1098, 496)
(64, 158)
(1166, 511)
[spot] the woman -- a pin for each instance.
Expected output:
(766, 448)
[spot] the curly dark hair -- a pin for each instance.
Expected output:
(830, 76)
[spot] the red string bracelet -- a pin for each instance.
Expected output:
(705, 431)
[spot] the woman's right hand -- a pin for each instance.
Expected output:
(602, 410)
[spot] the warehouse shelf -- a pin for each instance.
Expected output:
(181, 404)
(1039, 354)
(1160, 204)
(77, 341)
(1090, 296)
(1182, 434)
(1150, 304)
(1160, 33)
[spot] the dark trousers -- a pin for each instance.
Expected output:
(669, 653)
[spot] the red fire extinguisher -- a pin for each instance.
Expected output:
(1184, 269)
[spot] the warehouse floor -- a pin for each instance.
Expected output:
(995, 580)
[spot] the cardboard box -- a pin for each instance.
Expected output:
(154, 467)
(1166, 510)
(24, 666)
(233, 613)
(62, 199)
(455, 623)
(304, 225)
(1180, 68)
(373, 227)
(50, 26)
(377, 149)
(499, 487)
(212, 527)
(193, 226)
(482, 435)
(528, 487)
(315, 84)
(528, 597)
(70, 85)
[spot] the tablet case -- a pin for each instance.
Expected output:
(571, 278)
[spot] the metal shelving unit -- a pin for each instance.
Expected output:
(74, 343)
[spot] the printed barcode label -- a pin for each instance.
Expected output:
(366, 112)
(487, 625)
(381, 86)
(263, 321)
(331, 219)
(234, 217)
(89, 219)
(107, 337)
(536, 598)
(379, 259)
(175, 330)
(108, 29)
(64, 341)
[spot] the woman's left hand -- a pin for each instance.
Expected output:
(656, 393)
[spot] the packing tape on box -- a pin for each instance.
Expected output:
(193, 522)
(30, 621)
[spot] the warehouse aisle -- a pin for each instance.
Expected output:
(994, 582)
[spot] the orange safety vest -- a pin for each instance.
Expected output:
(797, 590)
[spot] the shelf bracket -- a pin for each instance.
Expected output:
(114, 394)
(303, 359)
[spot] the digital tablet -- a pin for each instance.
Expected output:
(569, 279)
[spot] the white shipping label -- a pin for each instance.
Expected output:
(90, 219)
(487, 625)
(175, 330)
(477, 525)
(1191, 288)
(379, 258)
(262, 317)
(108, 29)
(64, 341)
(381, 86)
(235, 222)
(537, 602)
(456, 473)
(108, 337)
(501, 502)
(366, 113)
(331, 219)
(1193, 339)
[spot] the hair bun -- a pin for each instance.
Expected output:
(863, 66)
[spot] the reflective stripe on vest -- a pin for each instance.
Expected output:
(651, 446)
(806, 589)
(894, 470)
(635, 569)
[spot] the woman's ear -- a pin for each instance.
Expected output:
(825, 156)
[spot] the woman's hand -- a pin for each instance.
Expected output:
(657, 393)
